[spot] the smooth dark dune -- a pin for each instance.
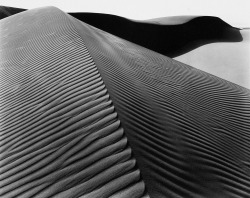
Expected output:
(169, 40)
(177, 36)
(9, 11)
(87, 114)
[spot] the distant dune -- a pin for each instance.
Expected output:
(172, 20)
(170, 40)
(85, 113)
(230, 61)
(173, 37)
(205, 42)
(9, 11)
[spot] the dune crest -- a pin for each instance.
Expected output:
(60, 134)
(171, 20)
(85, 113)
(188, 129)
(170, 36)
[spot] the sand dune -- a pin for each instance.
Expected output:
(60, 134)
(9, 11)
(229, 61)
(87, 114)
(170, 40)
(172, 20)
(207, 43)
(173, 37)
(189, 130)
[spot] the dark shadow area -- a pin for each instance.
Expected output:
(8, 11)
(169, 40)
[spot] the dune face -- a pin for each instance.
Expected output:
(189, 130)
(170, 36)
(229, 61)
(60, 134)
(87, 114)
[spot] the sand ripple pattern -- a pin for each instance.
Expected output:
(60, 135)
(189, 130)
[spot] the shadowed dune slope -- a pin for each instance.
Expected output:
(169, 40)
(189, 130)
(60, 134)
(9, 11)
(173, 37)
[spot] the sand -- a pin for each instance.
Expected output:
(188, 129)
(170, 40)
(171, 20)
(60, 134)
(87, 114)
(229, 61)
(170, 36)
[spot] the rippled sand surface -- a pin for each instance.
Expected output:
(87, 114)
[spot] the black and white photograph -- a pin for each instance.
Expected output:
(125, 99)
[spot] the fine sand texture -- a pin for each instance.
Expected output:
(60, 134)
(189, 130)
(85, 113)
(205, 42)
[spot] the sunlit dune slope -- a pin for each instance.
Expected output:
(87, 114)
(171, 20)
(189, 130)
(60, 134)
(230, 61)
